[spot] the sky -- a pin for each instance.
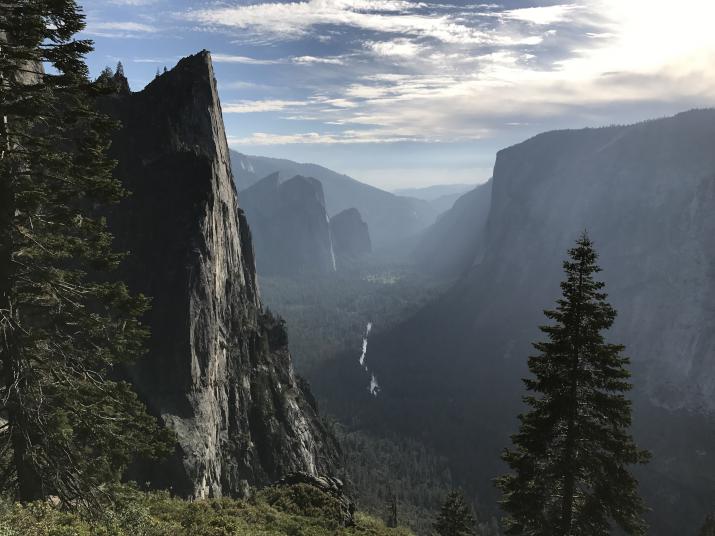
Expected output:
(402, 93)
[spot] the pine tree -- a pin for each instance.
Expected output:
(67, 428)
(392, 511)
(708, 528)
(455, 518)
(571, 455)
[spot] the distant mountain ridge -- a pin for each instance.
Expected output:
(390, 218)
(290, 227)
(434, 192)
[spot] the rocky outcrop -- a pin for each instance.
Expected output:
(218, 371)
(351, 237)
(331, 486)
(290, 226)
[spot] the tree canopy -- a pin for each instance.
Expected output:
(66, 324)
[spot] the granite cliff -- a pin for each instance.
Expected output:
(218, 371)
(290, 226)
(351, 237)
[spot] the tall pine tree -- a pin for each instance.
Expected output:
(571, 456)
(66, 427)
(455, 518)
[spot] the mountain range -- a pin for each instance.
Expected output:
(440, 196)
(391, 218)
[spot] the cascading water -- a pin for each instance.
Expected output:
(374, 387)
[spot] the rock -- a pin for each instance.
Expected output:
(218, 371)
(329, 485)
(351, 237)
(290, 226)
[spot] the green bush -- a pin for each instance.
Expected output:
(303, 500)
(280, 511)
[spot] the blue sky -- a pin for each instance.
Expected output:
(402, 93)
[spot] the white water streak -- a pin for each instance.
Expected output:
(374, 387)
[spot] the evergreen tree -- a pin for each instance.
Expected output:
(392, 511)
(708, 528)
(67, 428)
(571, 455)
(455, 518)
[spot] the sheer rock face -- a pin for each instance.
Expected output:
(646, 195)
(351, 237)
(290, 225)
(218, 371)
(455, 243)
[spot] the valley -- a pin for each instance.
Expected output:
(367, 268)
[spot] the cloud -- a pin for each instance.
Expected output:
(310, 60)
(422, 73)
(122, 27)
(155, 60)
(295, 19)
(229, 58)
(132, 2)
(125, 29)
(256, 106)
(319, 138)
(240, 84)
(398, 47)
(542, 15)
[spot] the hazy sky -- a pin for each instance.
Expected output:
(404, 93)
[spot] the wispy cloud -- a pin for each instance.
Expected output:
(295, 19)
(229, 58)
(131, 2)
(311, 60)
(466, 78)
(540, 14)
(320, 138)
(256, 106)
(398, 47)
(122, 29)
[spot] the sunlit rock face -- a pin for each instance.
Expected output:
(290, 226)
(218, 371)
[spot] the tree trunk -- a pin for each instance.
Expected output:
(569, 486)
(570, 477)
